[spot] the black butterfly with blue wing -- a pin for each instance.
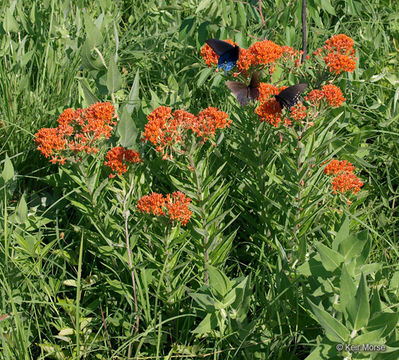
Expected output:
(290, 96)
(228, 54)
(244, 93)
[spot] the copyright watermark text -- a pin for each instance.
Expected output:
(361, 348)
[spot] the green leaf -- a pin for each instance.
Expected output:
(335, 331)
(204, 301)
(218, 281)
(372, 337)
(242, 14)
(342, 234)
(114, 78)
(208, 324)
(204, 74)
(22, 210)
(330, 258)
(88, 95)
(8, 170)
(94, 37)
(89, 61)
(359, 308)
(386, 320)
(9, 23)
(323, 351)
(134, 96)
(203, 5)
(326, 5)
(127, 129)
(347, 289)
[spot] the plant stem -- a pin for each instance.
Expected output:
(126, 214)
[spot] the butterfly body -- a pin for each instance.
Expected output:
(228, 54)
(290, 96)
(243, 92)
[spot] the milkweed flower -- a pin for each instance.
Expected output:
(339, 54)
(166, 130)
(118, 159)
(269, 111)
(266, 91)
(265, 52)
(344, 180)
(208, 121)
(331, 93)
(335, 167)
(79, 130)
(175, 206)
(298, 112)
(152, 204)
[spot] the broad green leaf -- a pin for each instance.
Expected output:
(335, 331)
(359, 308)
(204, 300)
(114, 78)
(218, 281)
(330, 258)
(208, 324)
(127, 129)
(89, 61)
(326, 5)
(88, 95)
(94, 37)
(8, 170)
(386, 320)
(242, 14)
(204, 74)
(9, 22)
(342, 234)
(22, 210)
(134, 96)
(372, 337)
(323, 351)
(347, 289)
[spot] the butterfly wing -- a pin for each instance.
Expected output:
(229, 59)
(219, 47)
(253, 86)
(240, 91)
(289, 96)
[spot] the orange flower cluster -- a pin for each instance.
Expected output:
(339, 54)
(262, 53)
(344, 179)
(175, 206)
(166, 130)
(331, 93)
(118, 159)
(298, 112)
(269, 111)
(78, 131)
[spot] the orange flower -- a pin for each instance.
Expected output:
(335, 167)
(177, 205)
(345, 182)
(49, 140)
(298, 112)
(339, 62)
(78, 131)
(266, 91)
(339, 54)
(269, 111)
(245, 60)
(152, 204)
(208, 121)
(315, 96)
(118, 159)
(333, 95)
(265, 52)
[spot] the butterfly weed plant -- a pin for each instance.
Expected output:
(223, 217)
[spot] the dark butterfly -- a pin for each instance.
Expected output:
(243, 92)
(228, 54)
(289, 96)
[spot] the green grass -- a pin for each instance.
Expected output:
(67, 287)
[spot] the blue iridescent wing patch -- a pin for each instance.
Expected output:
(228, 54)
